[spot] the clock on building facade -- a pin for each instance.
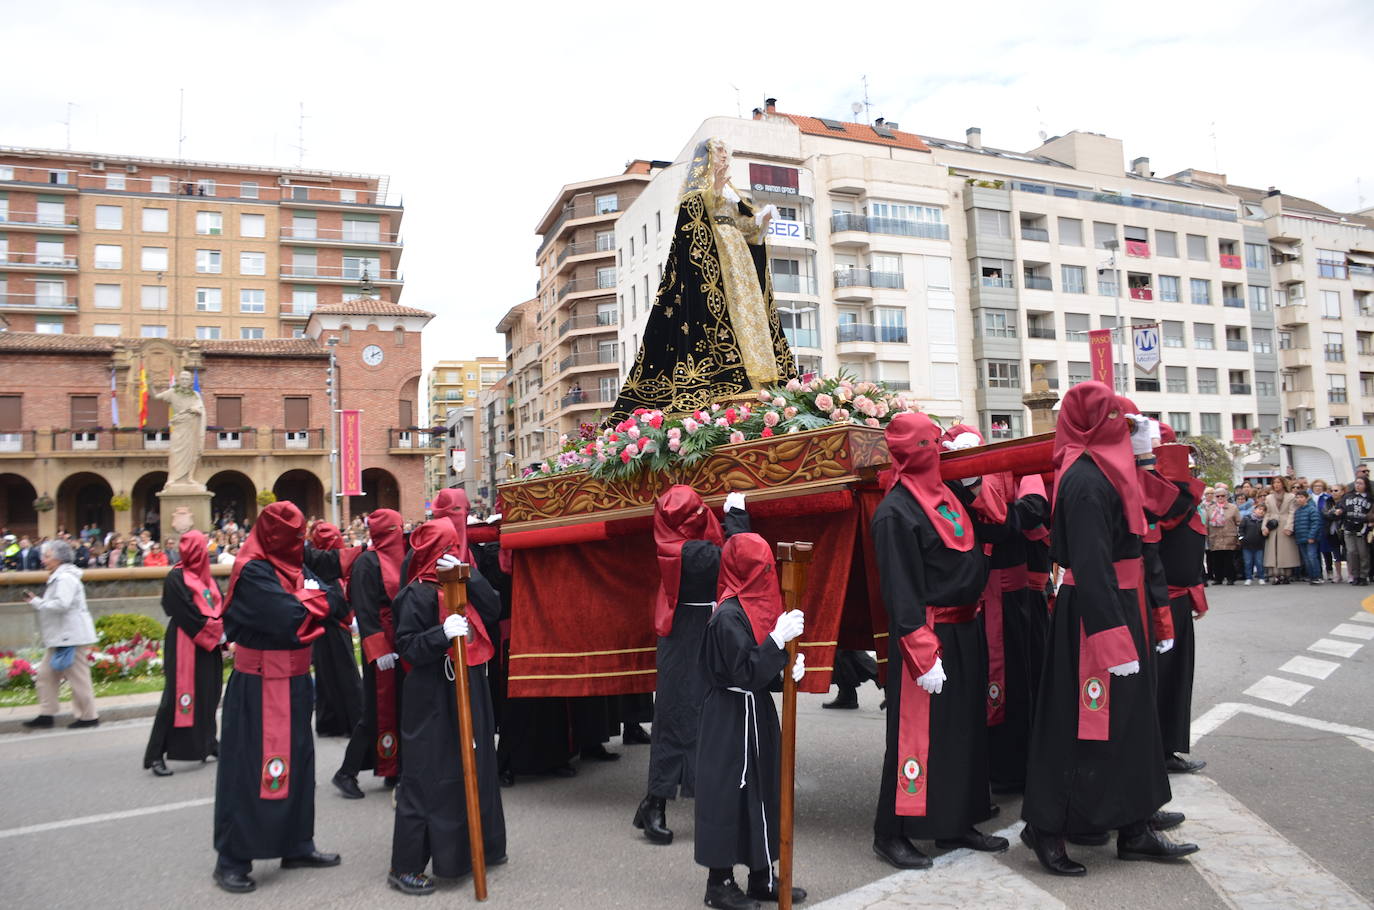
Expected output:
(373, 355)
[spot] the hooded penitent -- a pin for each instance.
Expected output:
(453, 505)
(430, 541)
(913, 443)
(747, 573)
(1091, 422)
(679, 516)
(386, 529)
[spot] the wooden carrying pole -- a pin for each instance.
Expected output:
(794, 558)
(455, 582)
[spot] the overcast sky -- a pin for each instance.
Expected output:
(480, 112)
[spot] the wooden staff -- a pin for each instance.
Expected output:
(795, 557)
(455, 582)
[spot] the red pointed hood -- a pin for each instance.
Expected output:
(748, 573)
(913, 443)
(1091, 422)
(453, 505)
(386, 529)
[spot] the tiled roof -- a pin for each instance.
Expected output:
(1291, 203)
(40, 343)
(857, 132)
(368, 307)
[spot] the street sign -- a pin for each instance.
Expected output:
(1145, 342)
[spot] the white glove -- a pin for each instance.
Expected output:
(963, 441)
(1156, 434)
(1127, 669)
(1140, 436)
(447, 561)
(734, 501)
(770, 210)
(789, 626)
(934, 680)
(311, 585)
(799, 668)
(223, 638)
(1164, 646)
(455, 626)
(353, 626)
(387, 661)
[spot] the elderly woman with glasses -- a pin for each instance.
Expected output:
(68, 633)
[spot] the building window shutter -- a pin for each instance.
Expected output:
(85, 411)
(157, 413)
(11, 413)
(297, 413)
(229, 411)
(407, 413)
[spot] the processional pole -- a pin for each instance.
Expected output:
(795, 557)
(455, 582)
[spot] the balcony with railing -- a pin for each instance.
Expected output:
(1237, 344)
(1034, 233)
(289, 440)
(874, 224)
(38, 303)
(1037, 282)
(13, 260)
(794, 284)
(56, 223)
(868, 278)
(416, 440)
(339, 274)
(996, 281)
(1145, 384)
(1240, 388)
(581, 398)
(606, 320)
(1236, 302)
(605, 284)
(584, 248)
(13, 442)
(865, 331)
(1230, 261)
(802, 338)
(601, 357)
(1038, 331)
(366, 234)
(230, 439)
(586, 208)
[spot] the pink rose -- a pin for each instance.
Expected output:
(824, 402)
(647, 446)
(794, 384)
(871, 422)
(779, 401)
(844, 391)
(770, 419)
(789, 412)
(767, 431)
(625, 455)
(674, 444)
(656, 421)
(722, 422)
(765, 395)
(632, 432)
(690, 425)
(839, 415)
(675, 433)
(882, 409)
(736, 436)
(731, 415)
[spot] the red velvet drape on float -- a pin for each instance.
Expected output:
(585, 625)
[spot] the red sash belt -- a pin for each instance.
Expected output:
(276, 669)
(951, 614)
(1037, 581)
(1000, 581)
(1014, 578)
(207, 639)
(1193, 592)
(1128, 574)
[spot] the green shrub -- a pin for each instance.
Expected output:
(124, 626)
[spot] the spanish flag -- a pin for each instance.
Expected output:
(142, 396)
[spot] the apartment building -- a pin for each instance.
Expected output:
(1063, 238)
(860, 255)
(576, 316)
(116, 245)
(453, 387)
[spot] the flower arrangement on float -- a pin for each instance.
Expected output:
(653, 441)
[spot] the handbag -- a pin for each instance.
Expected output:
(62, 658)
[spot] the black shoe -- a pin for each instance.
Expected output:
(900, 852)
(390, 782)
(498, 860)
(506, 776)
(159, 768)
(1152, 845)
(81, 724)
(1089, 840)
(1049, 849)
(1177, 764)
(728, 896)
(1164, 820)
(845, 700)
(650, 818)
(416, 883)
(348, 785)
(994, 810)
(635, 736)
(974, 839)
(41, 722)
(314, 860)
(599, 753)
(235, 882)
(766, 892)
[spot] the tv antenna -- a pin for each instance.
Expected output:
(868, 108)
(181, 123)
(739, 109)
(68, 123)
(300, 138)
(1216, 155)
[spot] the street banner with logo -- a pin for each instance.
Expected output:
(1100, 349)
(351, 452)
(1145, 343)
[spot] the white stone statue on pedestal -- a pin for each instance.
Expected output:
(187, 424)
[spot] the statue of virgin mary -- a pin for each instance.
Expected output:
(713, 332)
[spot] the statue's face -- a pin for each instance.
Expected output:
(184, 380)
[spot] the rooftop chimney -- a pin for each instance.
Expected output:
(974, 137)
(758, 113)
(879, 122)
(770, 105)
(1273, 191)
(1141, 167)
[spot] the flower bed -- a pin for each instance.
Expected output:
(129, 659)
(654, 441)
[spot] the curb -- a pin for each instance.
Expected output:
(106, 713)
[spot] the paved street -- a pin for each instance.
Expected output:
(1282, 715)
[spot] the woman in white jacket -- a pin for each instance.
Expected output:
(64, 622)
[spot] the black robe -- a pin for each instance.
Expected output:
(1081, 786)
(1182, 551)
(1024, 624)
(368, 598)
(431, 814)
(196, 742)
(263, 615)
(338, 687)
(738, 746)
(917, 571)
(681, 683)
(689, 357)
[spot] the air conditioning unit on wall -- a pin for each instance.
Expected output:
(97, 165)
(131, 169)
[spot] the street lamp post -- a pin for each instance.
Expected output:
(332, 385)
(1119, 332)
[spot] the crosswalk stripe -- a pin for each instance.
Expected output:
(1276, 689)
(1335, 648)
(1310, 666)
(1350, 630)
(1362, 617)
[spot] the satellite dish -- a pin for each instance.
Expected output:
(856, 106)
